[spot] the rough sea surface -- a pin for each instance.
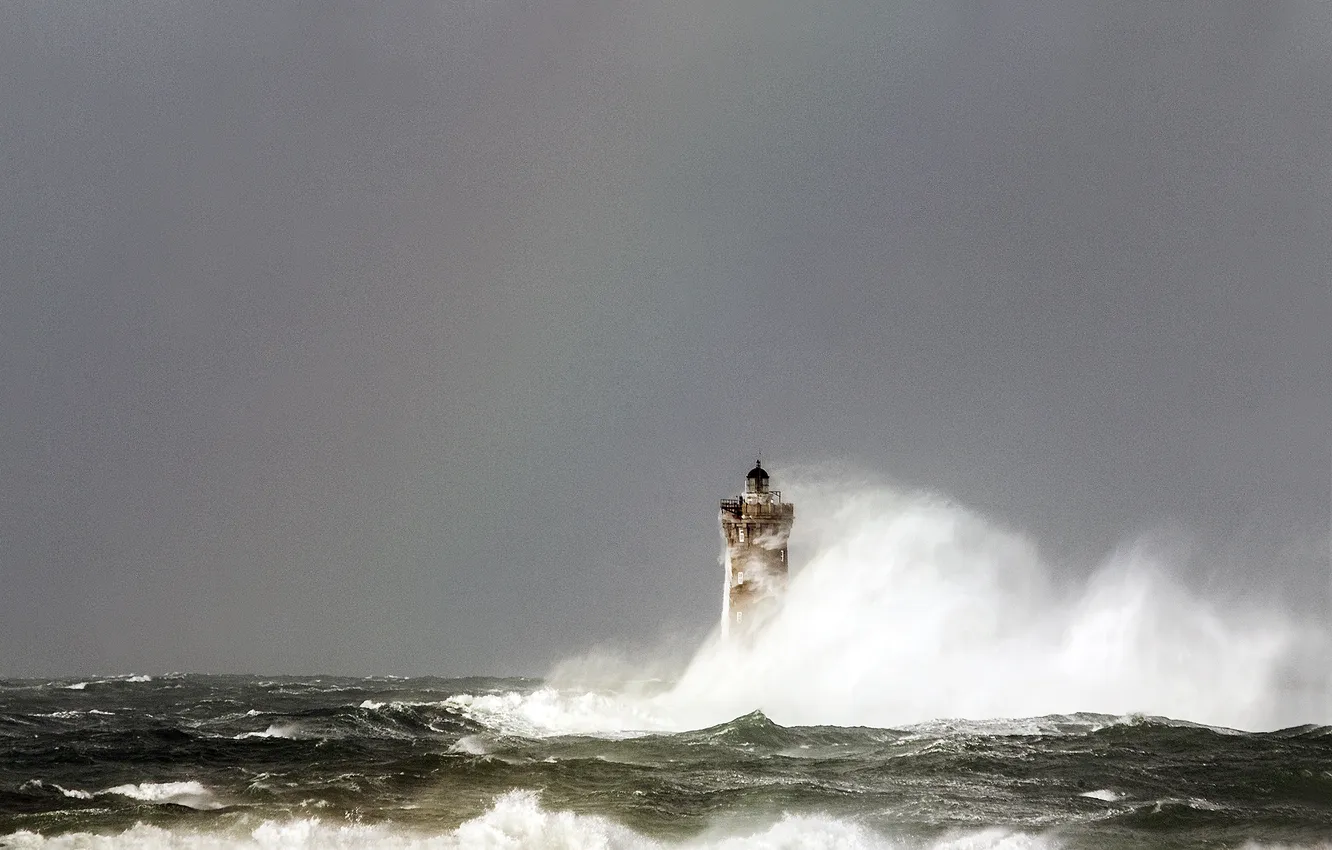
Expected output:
(231, 761)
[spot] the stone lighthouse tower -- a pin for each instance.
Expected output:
(755, 528)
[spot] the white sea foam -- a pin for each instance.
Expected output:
(1103, 794)
(192, 794)
(553, 711)
(189, 793)
(78, 712)
(290, 731)
(139, 678)
(518, 822)
(77, 686)
(472, 745)
(912, 608)
(371, 704)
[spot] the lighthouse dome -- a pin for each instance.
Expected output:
(757, 480)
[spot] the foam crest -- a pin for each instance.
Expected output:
(548, 711)
(1103, 794)
(188, 793)
(289, 731)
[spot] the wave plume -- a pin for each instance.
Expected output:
(912, 608)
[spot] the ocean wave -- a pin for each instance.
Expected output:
(517, 821)
(189, 793)
(1103, 794)
(396, 720)
(470, 745)
(73, 793)
(134, 678)
(74, 714)
(550, 711)
(286, 731)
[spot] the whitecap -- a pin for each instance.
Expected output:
(77, 686)
(188, 793)
(1104, 794)
(70, 714)
(548, 711)
(372, 705)
(471, 745)
(290, 731)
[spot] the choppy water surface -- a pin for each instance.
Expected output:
(207, 761)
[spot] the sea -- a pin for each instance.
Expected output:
(197, 761)
(930, 680)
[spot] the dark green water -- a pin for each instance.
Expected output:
(205, 761)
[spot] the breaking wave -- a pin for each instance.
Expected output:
(189, 793)
(912, 607)
(517, 821)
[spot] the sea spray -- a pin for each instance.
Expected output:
(911, 607)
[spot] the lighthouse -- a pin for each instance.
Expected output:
(755, 528)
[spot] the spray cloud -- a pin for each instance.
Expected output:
(913, 608)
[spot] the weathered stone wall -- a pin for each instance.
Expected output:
(755, 531)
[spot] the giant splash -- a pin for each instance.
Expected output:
(911, 607)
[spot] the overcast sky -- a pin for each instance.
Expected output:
(422, 337)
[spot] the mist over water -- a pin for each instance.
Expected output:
(913, 608)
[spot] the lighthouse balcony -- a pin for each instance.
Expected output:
(770, 506)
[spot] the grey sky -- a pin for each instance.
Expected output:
(416, 337)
